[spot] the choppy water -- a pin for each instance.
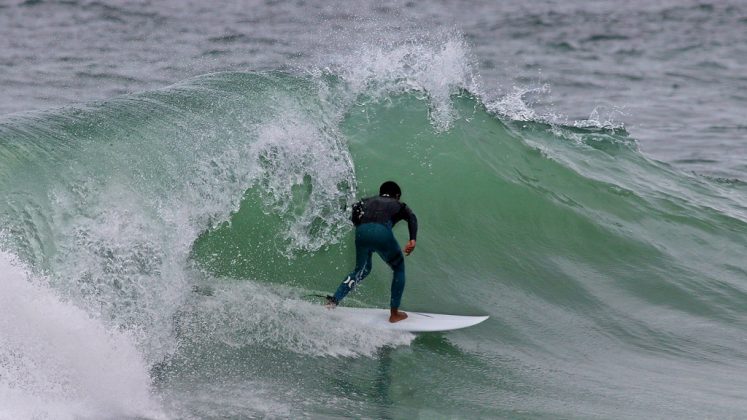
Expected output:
(578, 171)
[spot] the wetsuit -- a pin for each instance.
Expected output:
(374, 218)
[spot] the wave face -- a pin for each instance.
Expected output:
(176, 232)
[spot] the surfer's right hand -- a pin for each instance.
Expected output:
(409, 247)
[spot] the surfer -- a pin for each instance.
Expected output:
(374, 218)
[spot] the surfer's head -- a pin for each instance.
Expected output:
(390, 189)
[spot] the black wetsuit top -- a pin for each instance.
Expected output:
(385, 210)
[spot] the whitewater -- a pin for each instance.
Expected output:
(158, 248)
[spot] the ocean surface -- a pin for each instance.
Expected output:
(176, 179)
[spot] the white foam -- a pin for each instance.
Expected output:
(519, 105)
(514, 104)
(293, 154)
(439, 68)
(57, 362)
(602, 117)
(248, 314)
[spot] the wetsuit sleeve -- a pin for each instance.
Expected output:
(412, 221)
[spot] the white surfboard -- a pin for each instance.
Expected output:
(415, 321)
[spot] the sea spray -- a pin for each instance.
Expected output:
(58, 362)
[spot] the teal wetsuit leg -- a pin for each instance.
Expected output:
(370, 238)
(392, 254)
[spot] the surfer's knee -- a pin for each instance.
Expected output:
(397, 263)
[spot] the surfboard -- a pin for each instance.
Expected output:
(415, 321)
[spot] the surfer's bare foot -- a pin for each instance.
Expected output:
(397, 315)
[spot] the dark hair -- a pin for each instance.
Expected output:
(390, 189)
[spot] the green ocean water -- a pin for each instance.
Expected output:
(192, 222)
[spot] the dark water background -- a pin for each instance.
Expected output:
(673, 72)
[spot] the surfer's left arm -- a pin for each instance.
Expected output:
(412, 227)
